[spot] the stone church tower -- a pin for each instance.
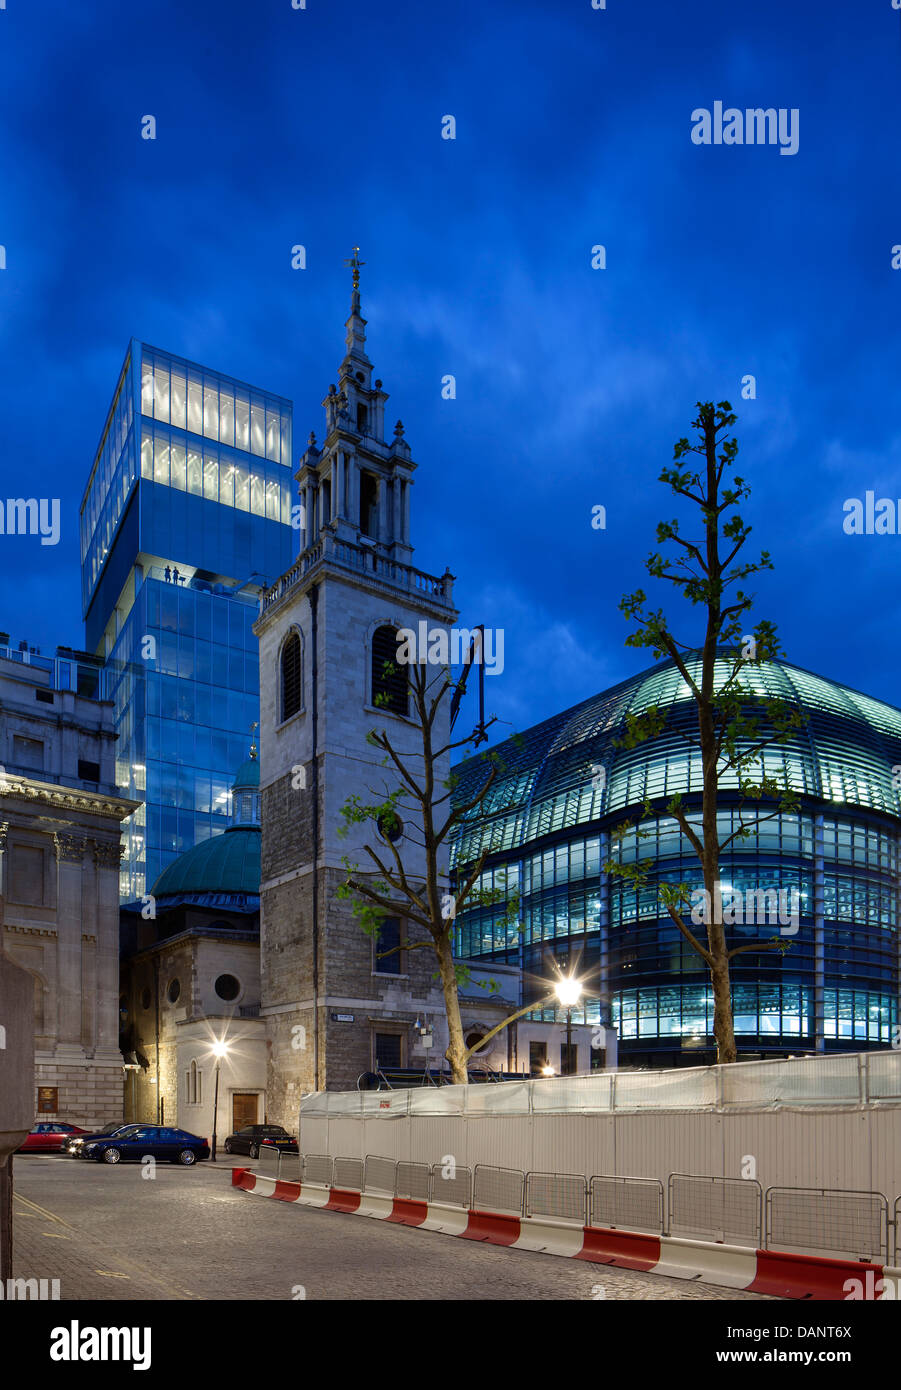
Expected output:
(325, 630)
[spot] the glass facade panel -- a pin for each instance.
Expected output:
(821, 882)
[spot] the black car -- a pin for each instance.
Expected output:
(74, 1147)
(252, 1138)
(157, 1141)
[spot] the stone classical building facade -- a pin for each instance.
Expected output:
(60, 835)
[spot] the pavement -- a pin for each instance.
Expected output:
(109, 1233)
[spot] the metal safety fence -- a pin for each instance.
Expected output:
(729, 1210)
(807, 1218)
(630, 1204)
(733, 1211)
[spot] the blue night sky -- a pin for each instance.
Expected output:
(323, 127)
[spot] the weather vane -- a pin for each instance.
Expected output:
(355, 263)
(253, 743)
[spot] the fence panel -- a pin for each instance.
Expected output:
(349, 1174)
(497, 1189)
(630, 1204)
(829, 1222)
(268, 1160)
(379, 1174)
(884, 1076)
(451, 1184)
(721, 1209)
(412, 1181)
(317, 1168)
(560, 1195)
(289, 1168)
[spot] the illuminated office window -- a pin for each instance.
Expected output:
(178, 400)
(195, 407)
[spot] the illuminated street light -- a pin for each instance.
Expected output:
(219, 1050)
(568, 991)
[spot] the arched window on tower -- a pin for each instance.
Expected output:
(292, 676)
(390, 687)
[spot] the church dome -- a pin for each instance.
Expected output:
(225, 864)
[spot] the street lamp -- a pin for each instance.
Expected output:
(568, 991)
(220, 1050)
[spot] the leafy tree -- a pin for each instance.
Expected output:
(735, 723)
(417, 798)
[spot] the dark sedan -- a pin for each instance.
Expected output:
(142, 1141)
(252, 1138)
(74, 1147)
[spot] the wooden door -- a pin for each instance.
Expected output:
(244, 1110)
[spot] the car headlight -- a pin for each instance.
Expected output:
(89, 1148)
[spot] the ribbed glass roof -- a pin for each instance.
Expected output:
(565, 771)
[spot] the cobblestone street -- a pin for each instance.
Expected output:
(109, 1233)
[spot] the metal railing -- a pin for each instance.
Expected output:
(629, 1204)
(815, 1218)
(562, 1196)
(728, 1210)
(855, 1225)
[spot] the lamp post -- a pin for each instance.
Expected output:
(220, 1049)
(568, 991)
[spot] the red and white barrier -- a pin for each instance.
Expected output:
(776, 1272)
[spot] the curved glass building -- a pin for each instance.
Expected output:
(565, 786)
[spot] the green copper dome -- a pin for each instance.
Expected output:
(248, 775)
(227, 863)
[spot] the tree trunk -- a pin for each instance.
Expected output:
(723, 1029)
(456, 1049)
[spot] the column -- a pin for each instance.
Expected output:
(819, 958)
(405, 506)
(107, 857)
(70, 851)
(335, 510)
(396, 511)
(342, 485)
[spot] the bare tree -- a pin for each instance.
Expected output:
(735, 723)
(417, 798)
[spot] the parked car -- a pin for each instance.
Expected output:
(48, 1137)
(158, 1141)
(74, 1147)
(252, 1138)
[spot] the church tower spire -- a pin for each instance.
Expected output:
(358, 486)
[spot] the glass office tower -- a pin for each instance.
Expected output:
(185, 517)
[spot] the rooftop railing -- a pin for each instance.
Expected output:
(361, 559)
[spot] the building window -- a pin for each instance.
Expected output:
(227, 987)
(45, 697)
(369, 505)
(537, 1058)
(173, 991)
(146, 997)
(28, 752)
(474, 1040)
(389, 680)
(194, 1084)
(361, 419)
(292, 669)
(389, 939)
(88, 771)
(389, 1049)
